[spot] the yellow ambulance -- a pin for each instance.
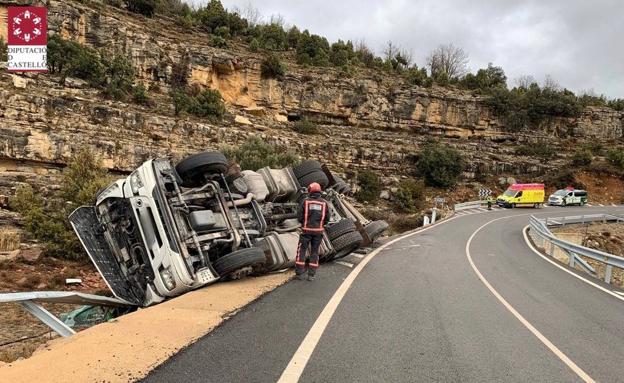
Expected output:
(522, 195)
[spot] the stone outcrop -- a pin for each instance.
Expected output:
(368, 119)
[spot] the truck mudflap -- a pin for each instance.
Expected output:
(90, 232)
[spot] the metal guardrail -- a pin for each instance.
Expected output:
(542, 236)
(469, 205)
(29, 302)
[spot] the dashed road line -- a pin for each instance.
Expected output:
(300, 359)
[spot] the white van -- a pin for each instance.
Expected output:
(565, 197)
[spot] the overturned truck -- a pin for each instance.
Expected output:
(165, 230)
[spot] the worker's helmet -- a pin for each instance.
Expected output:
(314, 187)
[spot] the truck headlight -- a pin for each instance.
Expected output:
(167, 278)
(135, 182)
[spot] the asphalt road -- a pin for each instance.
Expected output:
(419, 312)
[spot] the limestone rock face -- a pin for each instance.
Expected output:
(365, 121)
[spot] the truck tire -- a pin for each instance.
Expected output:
(339, 228)
(307, 167)
(346, 243)
(341, 186)
(238, 259)
(375, 229)
(317, 176)
(192, 169)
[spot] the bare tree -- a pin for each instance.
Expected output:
(251, 13)
(390, 50)
(449, 59)
(551, 83)
(400, 57)
(525, 81)
(277, 20)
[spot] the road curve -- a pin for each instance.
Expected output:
(420, 311)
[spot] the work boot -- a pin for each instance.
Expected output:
(311, 278)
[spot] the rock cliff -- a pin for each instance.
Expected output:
(368, 118)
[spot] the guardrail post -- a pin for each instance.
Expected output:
(571, 255)
(426, 221)
(552, 250)
(48, 318)
(608, 271)
(433, 215)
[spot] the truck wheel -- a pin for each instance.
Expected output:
(513, 205)
(375, 229)
(346, 243)
(192, 169)
(307, 167)
(565, 203)
(238, 259)
(317, 176)
(341, 186)
(339, 228)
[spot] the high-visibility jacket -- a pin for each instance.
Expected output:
(313, 214)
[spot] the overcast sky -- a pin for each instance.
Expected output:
(579, 43)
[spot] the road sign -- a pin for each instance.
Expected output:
(484, 193)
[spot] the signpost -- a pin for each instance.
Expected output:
(27, 39)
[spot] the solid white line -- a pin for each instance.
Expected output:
(300, 359)
(601, 205)
(358, 255)
(528, 242)
(564, 358)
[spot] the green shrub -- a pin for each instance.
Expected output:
(522, 108)
(139, 95)
(254, 45)
(207, 104)
(415, 76)
(616, 157)
(440, 165)
(539, 149)
(312, 49)
(46, 218)
(272, 67)
(410, 196)
(617, 104)
(256, 153)
(305, 127)
(3, 50)
(218, 42)
(369, 186)
(582, 158)
(119, 77)
(486, 79)
(70, 59)
(214, 16)
(143, 7)
(173, 8)
(272, 37)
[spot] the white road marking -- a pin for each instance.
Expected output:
(618, 292)
(358, 255)
(613, 205)
(564, 358)
(601, 205)
(300, 359)
(528, 242)
(349, 265)
(482, 209)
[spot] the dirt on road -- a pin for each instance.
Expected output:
(127, 348)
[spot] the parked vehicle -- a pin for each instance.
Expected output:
(165, 230)
(522, 195)
(569, 196)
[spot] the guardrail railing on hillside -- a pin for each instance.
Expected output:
(542, 236)
(469, 205)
